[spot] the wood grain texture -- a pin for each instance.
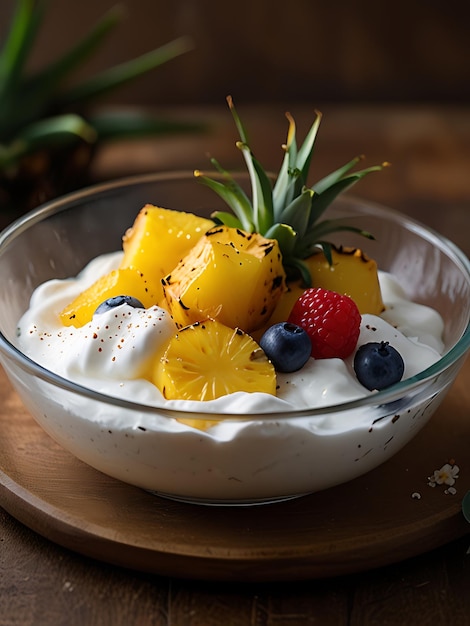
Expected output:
(269, 51)
(369, 522)
(42, 583)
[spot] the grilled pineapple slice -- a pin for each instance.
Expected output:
(207, 360)
(350, 272)
(230, 275)
(159, 238)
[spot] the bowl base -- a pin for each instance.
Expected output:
(232, 503)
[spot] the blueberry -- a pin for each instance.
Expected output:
(287, 346)
(378, 365)
(112, 303)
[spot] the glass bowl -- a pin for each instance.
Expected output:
(258, 458)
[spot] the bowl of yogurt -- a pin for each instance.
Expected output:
(322, 428)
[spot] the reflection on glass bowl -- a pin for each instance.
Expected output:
(243, 459)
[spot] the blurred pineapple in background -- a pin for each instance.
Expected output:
(48, 129)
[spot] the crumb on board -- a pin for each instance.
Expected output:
(446, 476)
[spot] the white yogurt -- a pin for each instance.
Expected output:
(111, 352)
(233, 460)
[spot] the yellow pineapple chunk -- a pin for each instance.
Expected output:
(207, 360)
(351, 273)
(128, 282)
(230, 275)
(159, 238)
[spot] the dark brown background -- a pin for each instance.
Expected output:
(272, 50)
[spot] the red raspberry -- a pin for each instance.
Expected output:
(331, 320)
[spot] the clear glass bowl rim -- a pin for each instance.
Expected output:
(391, 394)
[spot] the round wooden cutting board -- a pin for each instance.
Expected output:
(372, 521)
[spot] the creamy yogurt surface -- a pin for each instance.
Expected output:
(246, 460)
(112, 352)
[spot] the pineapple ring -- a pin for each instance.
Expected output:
(207, 360)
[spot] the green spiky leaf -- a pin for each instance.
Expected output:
(117, 76)
(329, 192)
(39, 89)
(60, 131)
(261, 204)
(34, 105)
(119, 124)
(296, 268)
(297, 213)
(285, 235)
(228, 219)
(288, 210)
(336, 176)
(231, 192)
(307, 245)
(18, 44)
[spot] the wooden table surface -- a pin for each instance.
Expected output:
(42, 583)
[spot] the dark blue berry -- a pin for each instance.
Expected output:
(378, 365)
(287, 346)
(112, 303)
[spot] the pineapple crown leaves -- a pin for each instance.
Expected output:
(38, 111)
(288, 209)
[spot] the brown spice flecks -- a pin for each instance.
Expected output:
(216, 231)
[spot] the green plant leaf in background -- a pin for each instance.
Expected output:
(288, 209)
(44, 109)
(60, 130)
